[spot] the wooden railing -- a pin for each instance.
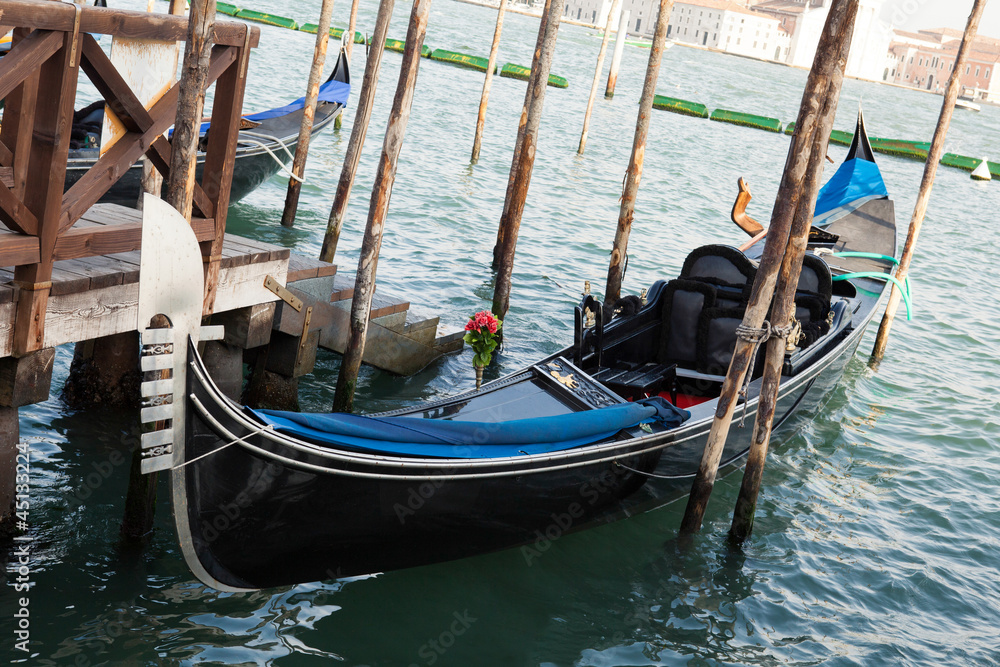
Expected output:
(52, 42)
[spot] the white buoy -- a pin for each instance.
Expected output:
(982, 172)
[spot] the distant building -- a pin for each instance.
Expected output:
(926, 58)
(785, 31)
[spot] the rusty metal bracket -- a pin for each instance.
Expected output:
(282, 293)
(305, 327)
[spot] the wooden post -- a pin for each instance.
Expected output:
(364, 286)
(597, 76)
(837, 29)
(361, 119)
(784, 307)
(524, 156)
(308, 114)
(634, 174)
(352, 28)
(477, 142)
(927, 182)
(349, 47)
(190, 104)
(43, 193)
(616, 59)
(543, 25)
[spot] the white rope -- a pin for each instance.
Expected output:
(261, 144)
(268, 427)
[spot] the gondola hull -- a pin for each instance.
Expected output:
(252, 165)
(261, 151)
(266, 499)
(248, 510)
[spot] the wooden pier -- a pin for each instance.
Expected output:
(72, 264)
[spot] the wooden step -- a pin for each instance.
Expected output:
(301, 267)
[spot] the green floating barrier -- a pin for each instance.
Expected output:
(460, 59)
(680, 106)
(747, 120)
(994, 169)
(512, 71)
(336, 33)
(836, 136)
(267, 19)
(916, 150)
(399, 46)
(960, 161)
(226, 8)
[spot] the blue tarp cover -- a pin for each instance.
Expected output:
(471, 440)
(854, 179)
(331, 91)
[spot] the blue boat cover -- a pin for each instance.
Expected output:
(854, 179)
(331, 91)
(471, 440)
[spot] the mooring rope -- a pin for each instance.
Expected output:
(267, 427)
(756, 336)
(261, 144)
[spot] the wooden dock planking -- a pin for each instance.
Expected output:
(98, 296)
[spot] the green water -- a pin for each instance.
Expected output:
(876, 537)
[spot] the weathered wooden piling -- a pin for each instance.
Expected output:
(783, 308)
(634, 174)
(835, 32)
(524, 156)
(190, 105)
(477, 142)
(352, 24)
(597, 76)
(366, 98)
(927, 182)
(616, 58)
(349, 47)
(521, 125)
(308, 114)
(364, 286)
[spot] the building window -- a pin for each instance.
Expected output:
(715, 38)
(637, 22)
(696, 33)
(977, 71)
(755, 44)
(987, 73)
(737, 41)
(967, 68)
(920, 62)
(911, 60)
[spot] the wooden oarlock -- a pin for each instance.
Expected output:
(477, 141)
(524, 156)
(927, 182)
(634, 173)
(308, 114)
(836, 31)
(366, 99)
(364, 285)
(597, 76)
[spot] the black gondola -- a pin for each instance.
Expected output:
(266, 499)
(265, 146)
